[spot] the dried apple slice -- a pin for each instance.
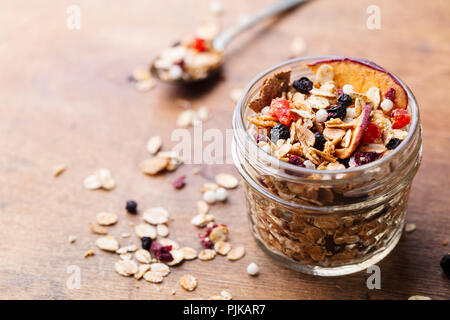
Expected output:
(361, 125)
(363, 75)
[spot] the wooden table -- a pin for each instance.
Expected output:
(65, 98)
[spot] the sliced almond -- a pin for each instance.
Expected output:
(145, 230)
(325, 73)
(374, 95)
(189, 253)
(156, 215)
(60, 168)
(107, 243)
(236, 253)
(106, 218)
(222, 247)
(333, 134)
(346, 139)
(188, 282)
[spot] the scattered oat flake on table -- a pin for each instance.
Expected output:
(107, 243)
(154, 165)
(154, 144)
(206, 254)
(226, 295)
(236, 253)
(227, 181)
(89, 253)
(298, 46)
(188, 282)
(201, 220)
(217, 298)
(160, 268)
(189, 253)
(125, 235)
(162, 230)
(144, 86)
(125, 256)
(72, 239)
(153, 277)
(92, 182)
(60, 168)
(145, 230)
(186, 118)
(106, 218)
(222, 247)
(410, 227)
(106, 179)
(142, 269)
(235, 94)
(419, 298)
(97, 229)
(177, 255)
(202, 207)
(143, 256)
(156, 215)
(126, 268)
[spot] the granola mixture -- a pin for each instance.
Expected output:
(188, 60)
(344, 114)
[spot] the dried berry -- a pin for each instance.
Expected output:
(281, 109)
(278, 132)
(393, 143)
(320, 141)
(390, 94)
(371, 133)
(296, 160)
(344, 162)
(445, 264)
(362, 158)
(162, 253)
(345, 100)
(338, 111)
(304, 85)
(199, 44)
(131, 206)
(146, 243)
(204, 237)
(179, 183)
(259, 138)
(401, 118)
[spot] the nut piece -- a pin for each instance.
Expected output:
(156, 215)
(97, 229)
(227, 181)
(153, 277)
(145, 230)
(188, 282)
(222, 247)
(60, 168)
(106, 218)
(89, 253)
(126, 267)
(236, 253)
(143, 256)
(72, 239)
(154, 165)
(107, 243)
(252, 269)
(410, 227)
(189, 253)
(154, 144)
(160, 268)
(206, 254)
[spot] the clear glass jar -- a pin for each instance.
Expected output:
(324, 222)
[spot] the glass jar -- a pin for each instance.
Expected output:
(324, 222)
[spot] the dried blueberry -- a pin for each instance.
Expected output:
(146, 243)
(393, 143)
(345, 162)
(319, 142)
(345, 100)
(338, 111)
(296, 160)
(131, 206)
(390, 94)
(304, 85)
(362, 158)
(445, 264)
(280, 131)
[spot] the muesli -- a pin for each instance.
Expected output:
(341, 114)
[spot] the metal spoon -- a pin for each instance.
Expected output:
(221, 41)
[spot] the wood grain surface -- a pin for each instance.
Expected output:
(65, 98)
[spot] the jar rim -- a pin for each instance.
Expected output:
(239, 124)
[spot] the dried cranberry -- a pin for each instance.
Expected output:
(179, 183)
(390, 94)
(162, 253)
(207, 243)
(296, 160)
(304, 85)
(393, 143)
(338, 111)
(259, 137)
(180, 63)
(362, 158)
(320, 141)
(345, 100)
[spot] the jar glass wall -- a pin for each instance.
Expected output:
(324, 222)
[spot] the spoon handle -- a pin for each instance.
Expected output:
(222, 40)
